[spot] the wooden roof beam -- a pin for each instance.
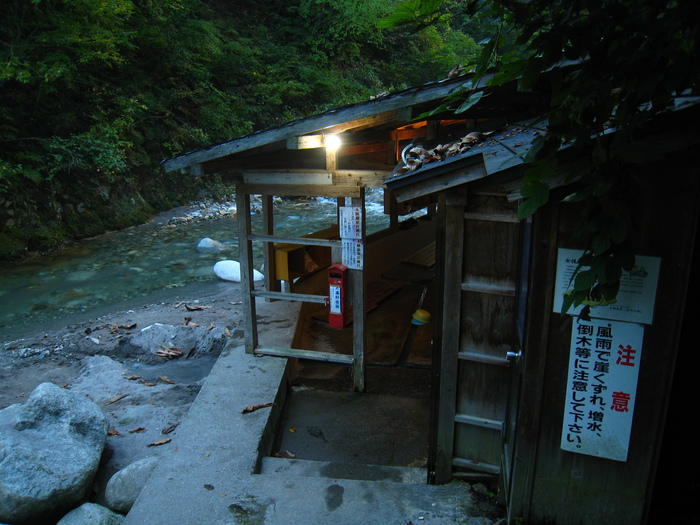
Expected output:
(306, 178)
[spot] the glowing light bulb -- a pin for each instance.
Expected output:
(332, 142)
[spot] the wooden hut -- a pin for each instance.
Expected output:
(501, 349)
(515, 381)
(296, 159)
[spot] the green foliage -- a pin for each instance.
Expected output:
(96, 93)
(627, 59)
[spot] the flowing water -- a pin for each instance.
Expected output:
(143, 261)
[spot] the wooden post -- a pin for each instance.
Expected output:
(452, 259)
(245, 250)
(359, 331)
(271, 283)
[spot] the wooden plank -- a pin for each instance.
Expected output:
(250, 329)
(436, 180)
(327, 357)
(271, 283)
(301, 241)
(451, 316)
(536, 343)
(299, 190)
(465, 419)
(331, 159)
(285, 177)
(478, 443)
(434, 459)
(366, 122)
(384, 253)
(492, 328)
(423, 257)
(299, 297)
(358, 284)
(305, 142)
(492, 217)
(368, 178)
(476, 465)
(507, 289)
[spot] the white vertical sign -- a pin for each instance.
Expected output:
(601, 387)
(350, 222)
(353, 253)
(351, 235)
(335, 299)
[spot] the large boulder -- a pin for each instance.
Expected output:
(91, 514)
(231, 271)
(125, 486)
(50, 449)
(208, 245)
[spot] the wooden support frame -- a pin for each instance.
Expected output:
(250, 328)
(249, 294)
(359, 339)
(271, 284)
(451, 313)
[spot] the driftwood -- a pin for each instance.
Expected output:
(418, 156)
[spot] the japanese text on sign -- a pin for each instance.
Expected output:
(635, 300)
(353, 253)
(350, 222)
(601, 387)
(335, 299)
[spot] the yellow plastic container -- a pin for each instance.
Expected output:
(421, 317)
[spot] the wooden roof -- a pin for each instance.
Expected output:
(496, 152)
(372, 133)
(505, 149)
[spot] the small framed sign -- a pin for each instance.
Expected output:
(635, 300)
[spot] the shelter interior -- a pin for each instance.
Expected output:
(381, 351)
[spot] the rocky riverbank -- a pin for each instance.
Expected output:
(142, 366)
(141, 362)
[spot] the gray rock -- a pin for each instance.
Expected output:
(193, 341)
(208, 245)
(50, 449)
(125, 486)
(91, 514)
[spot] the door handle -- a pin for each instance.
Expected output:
(515, 357)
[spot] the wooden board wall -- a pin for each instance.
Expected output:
(556, 486)
(487, 326)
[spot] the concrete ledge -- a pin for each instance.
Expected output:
(217, 448)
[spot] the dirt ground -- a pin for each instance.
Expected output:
(57, 354)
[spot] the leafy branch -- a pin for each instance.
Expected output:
(600, 64)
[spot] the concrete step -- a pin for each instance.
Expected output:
(301, 468)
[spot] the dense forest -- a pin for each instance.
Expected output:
(96, 93)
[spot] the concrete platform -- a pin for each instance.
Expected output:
(219, 471)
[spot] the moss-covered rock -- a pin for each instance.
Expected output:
(12, 247)
(41, 217)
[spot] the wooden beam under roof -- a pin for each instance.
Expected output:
(296, 190)
(319, 183)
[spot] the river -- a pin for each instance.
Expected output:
(141, 263)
